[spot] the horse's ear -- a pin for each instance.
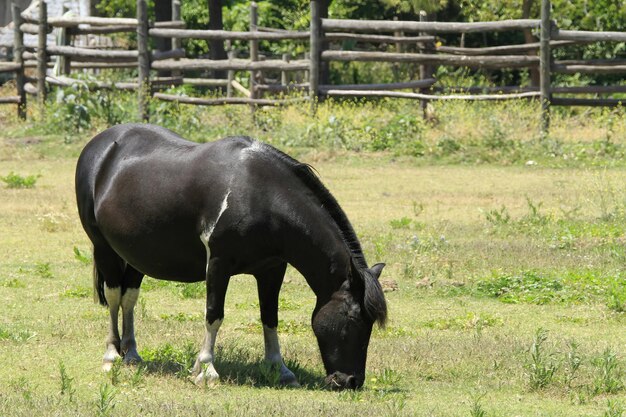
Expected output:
(377, 269)
(355, 273)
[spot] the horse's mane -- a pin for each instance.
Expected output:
(373, 298)
(306, 173)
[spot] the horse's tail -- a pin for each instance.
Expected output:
(98, 286)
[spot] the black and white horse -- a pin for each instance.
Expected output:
(155, 204)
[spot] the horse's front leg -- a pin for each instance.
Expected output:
(268, 285)
(216, 284)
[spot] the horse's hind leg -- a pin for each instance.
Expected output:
(130, 293)
(121, 289)
(269, 282)
(109, 268)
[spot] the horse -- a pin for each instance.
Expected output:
(153, 203)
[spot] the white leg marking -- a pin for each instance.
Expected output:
(113, 297)
(129, 345)
(204, 370)
(273, 356)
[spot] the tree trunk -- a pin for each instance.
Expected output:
(216, 46)
(528, 38)
(163, 13)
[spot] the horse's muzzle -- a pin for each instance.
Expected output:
(340, 381)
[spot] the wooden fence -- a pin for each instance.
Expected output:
(325, 38)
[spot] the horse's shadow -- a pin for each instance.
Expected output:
(235, 367)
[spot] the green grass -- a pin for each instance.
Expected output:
(510, 292)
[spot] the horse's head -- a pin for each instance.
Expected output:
(344, 324)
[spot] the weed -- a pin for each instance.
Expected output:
(402, 223)
(12, 283)
(617, 298)
(16, 335)
(542, 365)
(79, 292)
(465, 322)
(534, 216)
(609, 380)
(191, 290)
(138, 377)
(116, 372)
(168, 358)
(528, 287)
(499, 217)
(573, 360)
(614, 408)
(106, 400)
(43, 270)
(13, 180)
(81, 257)
(476, 408)
(67, 383)
(270, 372)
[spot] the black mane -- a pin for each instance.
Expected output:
(307, 175)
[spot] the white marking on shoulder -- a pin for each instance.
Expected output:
(209, 228)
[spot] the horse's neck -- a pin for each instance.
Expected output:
(320, 255)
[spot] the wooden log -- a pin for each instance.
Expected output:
(591, 102)
(95, 55)
(338, 36)
(427, 27)
(591, 62)
(237, 86)
(227, 100)
(427, 83)
(230, 64)
(427, 71)
(42, 57)
(10, 100)
(205, 82)
(591, 89)
(103, 65)
(9, 66)
(143, 62)
(484, 90)
(102, 30)
(544, 66)
(420, 96)
(171, 54)
(18, 50)
(32, 29)
(277, 88)
(92, 20)
(483, 61)
(227, 35)
(589, 69)
(63, 81)
(588, 36)
(502, 50)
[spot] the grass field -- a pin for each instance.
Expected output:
(507, 298)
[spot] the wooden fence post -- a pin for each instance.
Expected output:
(426, 71)
(544, 65)
(143, 60)
(18, 49)
(42, 56)
(177, 43)
(232, 54)
(284, 79)
(315, 47)
(254, 50)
